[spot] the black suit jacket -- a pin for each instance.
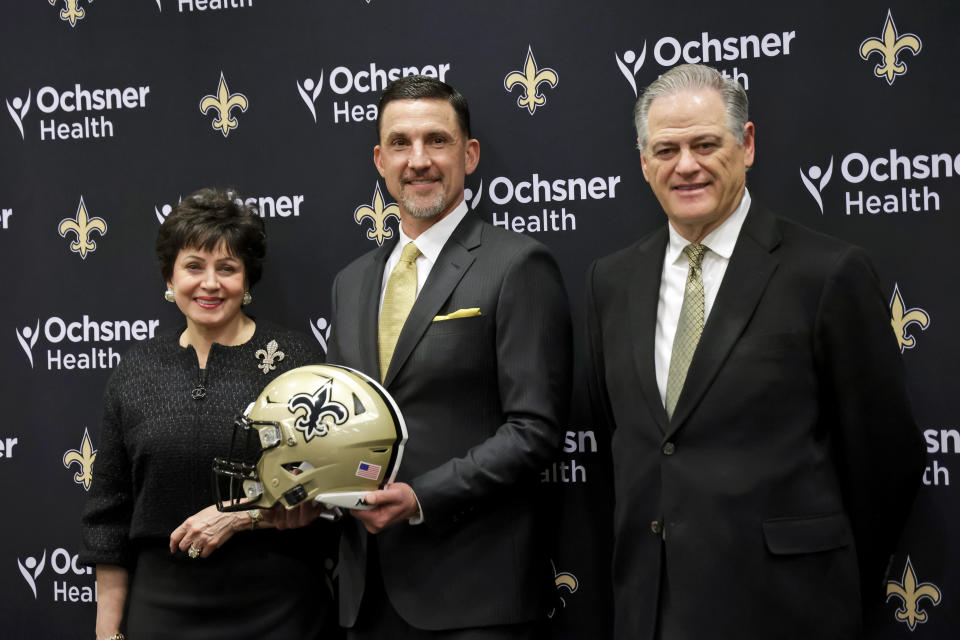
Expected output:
(776, 494)
(485, 400)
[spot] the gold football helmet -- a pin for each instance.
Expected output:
(322, 432)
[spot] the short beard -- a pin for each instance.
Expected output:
(429, 211)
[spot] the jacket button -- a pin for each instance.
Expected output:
(669, 449)
(656, 527)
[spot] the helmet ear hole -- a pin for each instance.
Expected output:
(358, 407)
(293, 468)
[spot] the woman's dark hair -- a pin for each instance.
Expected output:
(205, 219)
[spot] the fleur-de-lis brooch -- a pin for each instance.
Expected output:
(269, 356)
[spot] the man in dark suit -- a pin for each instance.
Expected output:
(765, 457)
(481, 372)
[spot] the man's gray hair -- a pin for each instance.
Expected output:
(693, 77)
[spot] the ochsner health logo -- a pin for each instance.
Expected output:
(75, 112)
(30, 569)
(67, 568)
(707, 49)
(816, 180)
(70, 344)
(18, 111)
(883, 182)
(358, 81)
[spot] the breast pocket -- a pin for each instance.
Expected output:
(809, 534)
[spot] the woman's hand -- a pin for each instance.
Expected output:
(208, 530)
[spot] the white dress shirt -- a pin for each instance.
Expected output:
(719, 243)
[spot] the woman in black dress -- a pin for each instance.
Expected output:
(169, 564)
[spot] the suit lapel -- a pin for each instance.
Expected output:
(452, 263)
(642, 301)
(747, 275)
(370, 308)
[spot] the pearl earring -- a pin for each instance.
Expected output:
(168, 295)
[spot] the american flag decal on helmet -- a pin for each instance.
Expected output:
(369, 471)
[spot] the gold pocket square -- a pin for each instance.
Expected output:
(459, 313)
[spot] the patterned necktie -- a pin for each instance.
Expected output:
(689, 327)
(397, 302)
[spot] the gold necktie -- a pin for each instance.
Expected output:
(689, 327)
(397, 301)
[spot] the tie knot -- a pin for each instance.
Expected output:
(694, 253)
(410, 253)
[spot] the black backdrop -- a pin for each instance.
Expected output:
(102, 108)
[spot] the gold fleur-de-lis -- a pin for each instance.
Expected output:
(889, 49)
(530, 79)
(223, 103)
(566, 580)
(911, 593)
(72, 13)
(379, 214)
(900, 320)
(269, 356)
(84, 457)
(82, 226)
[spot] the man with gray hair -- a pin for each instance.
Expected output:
(764, 453)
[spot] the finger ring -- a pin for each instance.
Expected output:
(194, 551)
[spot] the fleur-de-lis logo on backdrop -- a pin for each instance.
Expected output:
(83, 457)
(317, 407)
(223, 103)
(73, 12)
(901, 319)
(565, 582)
(911, 593)
(889, 49)
(269, 356)
(530, 80)
(379, 214)
(82, 226)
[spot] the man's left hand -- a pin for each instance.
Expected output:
(394, 503)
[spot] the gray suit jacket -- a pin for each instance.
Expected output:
(485, 401)
(771, 502)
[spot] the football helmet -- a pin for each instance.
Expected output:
(322, 432)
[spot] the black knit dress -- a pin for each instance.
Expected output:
(164, 422)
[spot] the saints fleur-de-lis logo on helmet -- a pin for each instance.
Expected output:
(530, 80)
(83, 457)
(223, 103)
(82, 226)
(72, 13)
(911, 593)
(901, 319)
(379, 214)
(318, 409)
(889, 49)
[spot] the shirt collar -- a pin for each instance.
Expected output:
(720, 241)
(431, 241)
